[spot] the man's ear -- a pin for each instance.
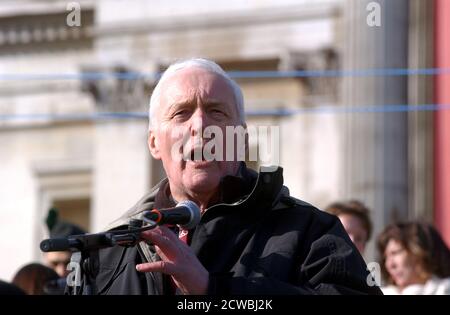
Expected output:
(153, 145)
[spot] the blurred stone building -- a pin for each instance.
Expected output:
(73, 101)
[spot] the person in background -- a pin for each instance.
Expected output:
(33, 278)
(58, 261)
(355, 218)
(414, 260)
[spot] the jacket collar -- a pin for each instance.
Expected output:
(232, 188)
(247, 188)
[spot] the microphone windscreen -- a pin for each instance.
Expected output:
(195, 214)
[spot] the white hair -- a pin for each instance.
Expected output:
(208, 65)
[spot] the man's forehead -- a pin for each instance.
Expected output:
(186, 85)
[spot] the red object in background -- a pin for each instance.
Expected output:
(442, 120)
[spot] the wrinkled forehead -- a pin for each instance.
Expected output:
(194, 84)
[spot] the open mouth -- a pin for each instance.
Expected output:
(198, 154)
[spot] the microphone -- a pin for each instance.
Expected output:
(78, 242)
(186, 214)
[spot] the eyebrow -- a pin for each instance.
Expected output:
(208, 103)
(214, 102)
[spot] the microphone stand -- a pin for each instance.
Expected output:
(85, 250)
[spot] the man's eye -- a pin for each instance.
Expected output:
(218, 112)
(181, 113)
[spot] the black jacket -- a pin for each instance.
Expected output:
(258, 240)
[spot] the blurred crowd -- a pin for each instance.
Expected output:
(413, 258)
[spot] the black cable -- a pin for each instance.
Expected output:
(131, 231)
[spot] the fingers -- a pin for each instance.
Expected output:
(165, 239)
(160, 234)
(161, 253)
(177, 260)
(158, 266)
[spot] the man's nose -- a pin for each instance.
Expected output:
(199, 121)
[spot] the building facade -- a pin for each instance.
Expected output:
(73, 100)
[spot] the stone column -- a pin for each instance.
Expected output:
(122, 167)
(375, 149)
(420, 123)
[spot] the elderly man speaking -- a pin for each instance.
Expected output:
(252, 238)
